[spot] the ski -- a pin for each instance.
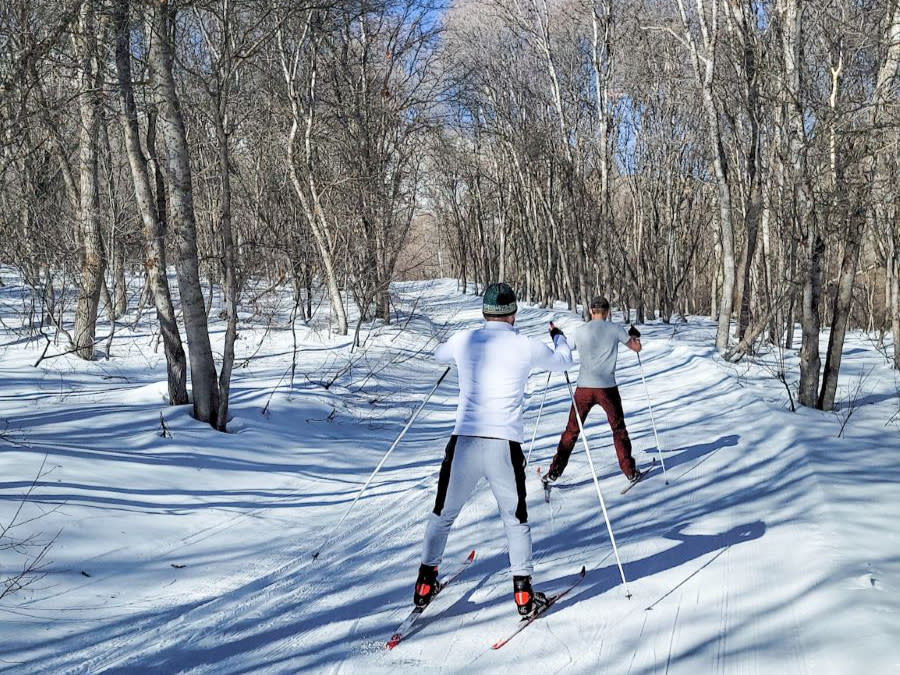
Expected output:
(644, 475)
(539, 611)
(403, 629)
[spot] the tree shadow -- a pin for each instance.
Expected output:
(693, 455)
(690, 547)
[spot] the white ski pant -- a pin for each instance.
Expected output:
(466, 460)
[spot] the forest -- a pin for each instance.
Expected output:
(728, 158)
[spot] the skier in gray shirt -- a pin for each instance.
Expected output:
(597, 342)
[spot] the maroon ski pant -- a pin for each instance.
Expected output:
(585, 399)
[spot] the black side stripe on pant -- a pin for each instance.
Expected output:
(444, 477)
(518, 462)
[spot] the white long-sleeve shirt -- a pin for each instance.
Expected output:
(493, 363)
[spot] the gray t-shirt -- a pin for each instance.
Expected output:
(597, 343)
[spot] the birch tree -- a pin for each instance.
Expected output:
(853, 188)
(703, 62)
(204, 386)
(154, 231)
(91, 251)
(298, 53)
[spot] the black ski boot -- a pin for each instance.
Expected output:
(426, 585)
(526, 598)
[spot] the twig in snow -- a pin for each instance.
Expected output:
(164, 429)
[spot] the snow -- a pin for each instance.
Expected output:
(774, 548)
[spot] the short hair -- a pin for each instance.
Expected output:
(600, 304)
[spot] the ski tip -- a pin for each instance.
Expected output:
(393, 642)
(583, 571)
(497, 645)
(471, 556)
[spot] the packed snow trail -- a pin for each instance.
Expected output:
(767, 552)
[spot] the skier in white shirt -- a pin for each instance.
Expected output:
(493, 363)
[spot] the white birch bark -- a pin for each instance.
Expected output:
(856, 221)
(154, 235)
(91, 254)
(704, 72)
(302, 97)
(204, 386)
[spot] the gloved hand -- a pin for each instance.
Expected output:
(554, 331)
(634, 332)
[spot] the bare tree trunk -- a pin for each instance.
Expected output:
(886, 167)
(893, 281)
(106, 299)
(116, 298)
(121, 297)
(842, 304)
(790, 314)
(773, 257)
(154, 234)
(203, 371)
(810, 321)
(230, 286)
(870, 165)
(305, 186)
(315, 218)
(704, 79)
(747, 21)
(575, 278)
(226, 52)
(601, 59)
(93, 257)
(813, 245)
(855, 222)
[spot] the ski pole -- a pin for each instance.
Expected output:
(587, 451)
(540, 410)
(633, 332)
(538, 422)
(334, 530)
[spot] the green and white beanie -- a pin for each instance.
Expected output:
(499, 300)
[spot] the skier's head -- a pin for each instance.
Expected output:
(499, 303)
(599, 306)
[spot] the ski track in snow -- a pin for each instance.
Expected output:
(750, 560)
